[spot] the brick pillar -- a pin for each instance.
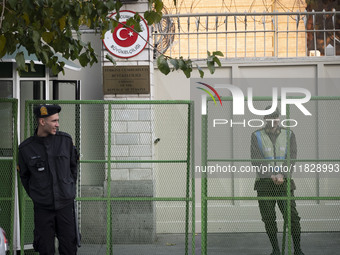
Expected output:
(132, 221)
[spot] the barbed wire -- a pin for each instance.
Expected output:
(297, 5)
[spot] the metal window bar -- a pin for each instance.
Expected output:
(197, 35)
(324, 27)
(216, 28)
(264, 36)
(287, 36)
(179, 34)
(280, 22)
(254, 37)
(188, 37)
(207, 34)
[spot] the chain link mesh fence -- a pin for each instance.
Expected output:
(8, 155)
(234, 208)
(135, 183)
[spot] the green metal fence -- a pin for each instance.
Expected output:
(136, 184)
(8, 155)
(229, 201)
(140, 199)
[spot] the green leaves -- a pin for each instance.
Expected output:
(32, 66)
(163, 65)
(111, 59)
(47, 36)
(134, 23)
(158, 5)
(152, 17)
(177, 64)
(62, 23)
(26, 18)
(2, 45)
(20, 59)
(44, 28)
(84, 59)
(154, 14)
(200, 71)
(36, 36)
(186, 65)
(213, 59)
(12, 3)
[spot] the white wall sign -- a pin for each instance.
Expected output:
(124, 42)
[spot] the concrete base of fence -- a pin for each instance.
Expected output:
(93, 216)
(132, 221)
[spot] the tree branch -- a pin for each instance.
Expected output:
(2, 12)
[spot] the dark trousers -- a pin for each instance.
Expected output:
(49, 224)
(268, 214)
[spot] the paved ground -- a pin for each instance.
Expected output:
(231, 244)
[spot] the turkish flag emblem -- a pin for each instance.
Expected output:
(123, 41)
(124, 36)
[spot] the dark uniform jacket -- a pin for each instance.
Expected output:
(48, 169)
(264, 182)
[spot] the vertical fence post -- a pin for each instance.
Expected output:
(313, 13)
(204, 207)
(192, 161)
(14, 166)
(23, 222)
(187, 196)
(289, 195)
(109, 248)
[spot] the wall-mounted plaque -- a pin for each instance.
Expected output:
(126, 80)
(125, 42)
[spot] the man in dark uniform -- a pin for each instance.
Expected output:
(48, 172)
(272, 142)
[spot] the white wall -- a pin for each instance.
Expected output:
(321, 78)
(90, 76)
(318, 75)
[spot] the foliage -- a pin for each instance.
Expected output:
(46, 27)
(186, 65)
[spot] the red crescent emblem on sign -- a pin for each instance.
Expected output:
(124, 42)
(124, 36)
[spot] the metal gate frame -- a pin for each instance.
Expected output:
(204, 180)
(189, 199)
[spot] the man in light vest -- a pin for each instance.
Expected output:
(277, 143)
